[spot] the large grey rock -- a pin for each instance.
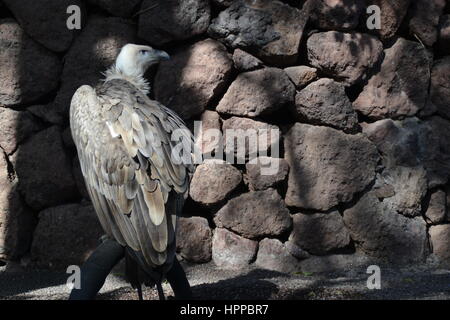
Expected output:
(301, 76)
(92, 52)
(409, 185)
(357, 53)
(16, 221)
(381, 232)
(437, 207)
(230, 251)
(194, 239)
(444, 34)
(327, 167)
(223, 3)
(119, 8)
(325, 102)
(213, 182)
(44, 170)
(273, 255)
(65, 235)
(28, 71)
(399, 88)
(397, 141)
(244, 61)
(440, 88)
(434, 141)
(424, 20)
(335, 262)
(392, 14)
(258, 93)
(193, 77)
(440, 241)
(15, 127)
(47, 113)
(209, 135)
(414, 143)
(266, 172)
(337, 14)
(272, 30)
(46, 21)
(255, 214)
(319, 233)
(165, 21)
(250, 138)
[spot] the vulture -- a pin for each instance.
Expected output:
(136, 181)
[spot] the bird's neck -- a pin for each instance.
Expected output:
(137, 79)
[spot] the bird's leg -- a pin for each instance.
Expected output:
(96, 268)
(178, 281)
(160, 291)
(139, 290)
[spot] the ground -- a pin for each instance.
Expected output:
(209, 282)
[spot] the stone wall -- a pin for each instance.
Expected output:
(364, 117)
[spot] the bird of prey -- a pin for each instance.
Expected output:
(136, 182)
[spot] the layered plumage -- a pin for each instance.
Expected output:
(124, 142)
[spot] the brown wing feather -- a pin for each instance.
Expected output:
(136, 188)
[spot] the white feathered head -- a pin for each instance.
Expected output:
(134, 60)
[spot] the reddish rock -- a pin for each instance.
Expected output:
(319, 233)
(171, 20)
(15, 127)
(258, 93)
(209, 135)
(337, 14)
(46, 21)
(357, 53)
(249, 138)
(437, 207)
(65, 235)
(44, 170)
(28, 71)
(213, 182)
(272, 30)
(194, 239)
(255, 214)
(266, 172)
(325, 102)
(399, 88)
(301, 76)
(194, 77)
(16, 221)
(230, 251)
(440, 241)
(327, 166)
(392, 14)
(244, 61)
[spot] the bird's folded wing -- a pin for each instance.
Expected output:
(134, 183)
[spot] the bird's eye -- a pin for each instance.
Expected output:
(144, 52)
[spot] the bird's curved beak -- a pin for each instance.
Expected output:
(161, 55)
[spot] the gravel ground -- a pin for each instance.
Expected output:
(209, 282)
